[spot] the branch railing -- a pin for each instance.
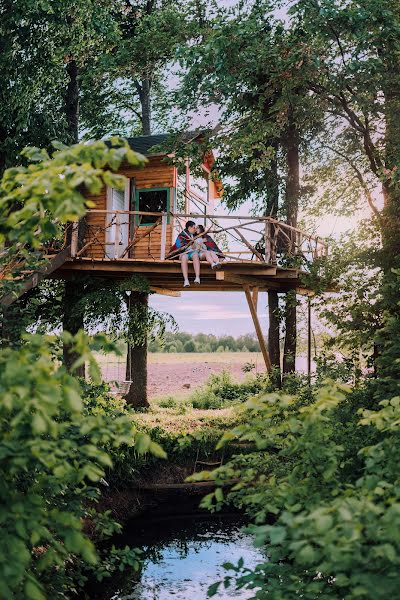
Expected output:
(245, 238)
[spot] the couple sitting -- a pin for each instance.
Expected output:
(196, 245)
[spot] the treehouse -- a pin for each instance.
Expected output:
(140, 222)
(132, 230)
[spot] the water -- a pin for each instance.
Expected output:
(184, 556)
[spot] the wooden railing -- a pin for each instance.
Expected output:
(241, 238)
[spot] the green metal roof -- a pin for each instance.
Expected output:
(145, 143)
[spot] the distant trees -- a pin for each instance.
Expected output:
(202, 342)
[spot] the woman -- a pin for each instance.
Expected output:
(207, 248)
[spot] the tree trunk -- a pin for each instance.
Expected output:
(274, 333)
(291, 206)
(72, 101)
(136, 367)
(271, 209)
(136, 356)
(73, 321)
(289, 351)
(145, 102)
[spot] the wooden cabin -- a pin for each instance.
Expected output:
(139, 222)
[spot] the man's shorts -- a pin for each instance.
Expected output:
(189, 254)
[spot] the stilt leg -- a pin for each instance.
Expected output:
(257, 326)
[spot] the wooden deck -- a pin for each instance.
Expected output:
(165, 276)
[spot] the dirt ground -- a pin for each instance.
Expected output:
(179, 374)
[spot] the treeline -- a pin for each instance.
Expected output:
(202, 342)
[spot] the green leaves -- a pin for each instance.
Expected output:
(334, 520)
(54, 449)
(36, 201)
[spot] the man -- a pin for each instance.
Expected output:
(183, 248)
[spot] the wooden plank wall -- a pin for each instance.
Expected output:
(155, 174)
(150, 246)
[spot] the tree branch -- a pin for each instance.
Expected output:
(361, 180)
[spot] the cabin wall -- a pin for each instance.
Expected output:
(150, 246)
(155, 174)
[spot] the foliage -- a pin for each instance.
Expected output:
(221, 391)
(323, 493)
(53, 454)
(124, 86)
(37, 201)
(39, 40)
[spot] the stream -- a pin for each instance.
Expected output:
(183, 556)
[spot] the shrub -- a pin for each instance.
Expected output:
(323, 490)
(220, 391)
(190, 346)
(53, 454)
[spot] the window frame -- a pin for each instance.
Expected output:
(157, 189)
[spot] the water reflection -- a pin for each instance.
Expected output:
(184, 556)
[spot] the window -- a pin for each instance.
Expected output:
(152, 200)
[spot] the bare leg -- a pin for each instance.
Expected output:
(214, 256)
(196, 264)
(184, 265)
(207, 256)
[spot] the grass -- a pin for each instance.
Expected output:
(174, 421)
(227, 358)
(167, 358)
(213, 405)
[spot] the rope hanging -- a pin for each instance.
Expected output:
(128, 350)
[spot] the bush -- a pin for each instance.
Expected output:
(323, 491)
(190, 346)
(221, 391)
(54, 451)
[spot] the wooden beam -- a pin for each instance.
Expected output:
(165, 291)
(309, 339)
(287, 274)
(250, 247)
(252, 281)
(163, 236)
(305, 292)
(257, 326)
(255, 297)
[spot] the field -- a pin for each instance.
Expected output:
(181, 373)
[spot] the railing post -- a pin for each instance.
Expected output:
(267, 241)
(298, 243)
(74, 238)
(163, 236)
(274, 242)
(117, 234)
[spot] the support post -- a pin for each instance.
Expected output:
(163, 236)
(309, 339)
(255, 297)
(257, 326)
(74, 238)
(117, 234)
(187, 187)
(267, 241)
(274, 242)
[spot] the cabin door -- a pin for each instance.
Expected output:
(117, 233)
